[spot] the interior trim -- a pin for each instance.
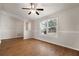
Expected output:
(69, 31)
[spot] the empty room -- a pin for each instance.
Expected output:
(39, 29)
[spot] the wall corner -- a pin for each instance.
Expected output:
(0, 41)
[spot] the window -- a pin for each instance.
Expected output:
(48, 26)
(43, 26)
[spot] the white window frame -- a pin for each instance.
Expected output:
(50, 34)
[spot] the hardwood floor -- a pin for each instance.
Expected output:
(33, 47)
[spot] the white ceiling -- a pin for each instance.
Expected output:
(49, 8)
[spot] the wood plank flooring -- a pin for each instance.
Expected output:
(33, 47)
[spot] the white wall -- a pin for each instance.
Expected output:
(68, 29)
(10, 27)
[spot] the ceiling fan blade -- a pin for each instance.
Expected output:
(40, 9)
(37, 13)
(29, 13)
(26, 8)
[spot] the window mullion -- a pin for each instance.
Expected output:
(47, 27)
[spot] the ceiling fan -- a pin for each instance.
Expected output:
(33, 9)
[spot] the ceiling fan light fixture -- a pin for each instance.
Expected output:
(32, 6)
(33, 11)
